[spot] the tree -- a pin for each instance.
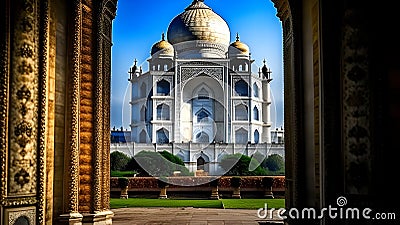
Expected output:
(150, 163)
(239, 164)
(118, 161)
(274, 162)
(172, 158)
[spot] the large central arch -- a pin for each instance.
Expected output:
(203, 96)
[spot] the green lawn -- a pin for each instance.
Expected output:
(253, 203)
(227, 203)
(122, 173)
(141, 202)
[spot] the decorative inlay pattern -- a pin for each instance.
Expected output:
(356, 103)
(43, 103)
(4, 100)
(189, 72)
(167, 78)
(239, 78)
(15, 216)
(105, 17)
(98, 113)
(72, 181)
(24, 100)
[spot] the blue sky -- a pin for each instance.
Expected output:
(140, 23)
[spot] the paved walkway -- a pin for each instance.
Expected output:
(185, 216)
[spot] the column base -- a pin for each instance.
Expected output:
(214, 193)
(269, 194)
(99, 218)
(163, 193)
(70, 219)
(236, 193)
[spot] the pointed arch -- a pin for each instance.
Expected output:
(256, 113)
(202, 161)
(143, 137)
(241, 112)
(256, 90)
(202, 115)
(163, 87)
(203, 94)
(203, 90)
(162, 136)
(143, 90)
(256, 137)
(241, 136)
(163, 112)
(242, 88)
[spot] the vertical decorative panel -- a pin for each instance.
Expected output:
(98, 115)
(356, 101)
(106, 121)
(316, 72)
(72, 151)
(4, 82)
(108, 11)
(87, 111)
(290, 117)
(43, 106)
(24, 103)
(24, 109)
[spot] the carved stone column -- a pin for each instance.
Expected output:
(104, 13)
(291, 103)
(71, 175)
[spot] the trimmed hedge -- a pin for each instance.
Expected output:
(239, 165)
(278, 182)
(155, 164)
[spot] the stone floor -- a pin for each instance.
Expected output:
(187, 216)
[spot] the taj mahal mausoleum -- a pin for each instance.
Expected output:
(200, 99)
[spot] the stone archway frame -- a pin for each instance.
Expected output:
(90, 69)
(292, 103)
(104, 14)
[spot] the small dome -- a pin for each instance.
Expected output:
(162, 48)
(239, 47)
(198, 22)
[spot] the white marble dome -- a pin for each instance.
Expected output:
(239, 49)
(162, 49)
(199, 32)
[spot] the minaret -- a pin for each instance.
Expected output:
(134, 71)
(134, 75)
(266, 73)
